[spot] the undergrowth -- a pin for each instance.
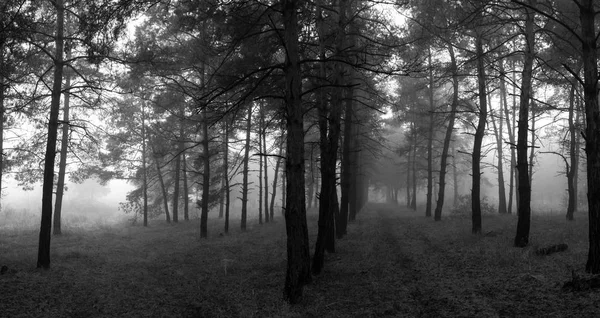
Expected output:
(391, 263)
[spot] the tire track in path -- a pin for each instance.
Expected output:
(427, 271)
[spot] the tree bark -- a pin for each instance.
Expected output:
(511, 135)
(500, 168)
(589, 52)
(176, 185)
(265, 166)
(205, 175)
(573, 156)
(43, 260)
(524, 209)
(478, 139)
(226, 173)
(532, 106)
(3, 88)
(186, 189)
(274, 194)
(144, 166)
(62, 164)
(298, 256)
(260, 168)
(246, 170)
(448, 137)
(162, 185)
(430, 141)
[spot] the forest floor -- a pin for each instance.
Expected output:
(392, 263)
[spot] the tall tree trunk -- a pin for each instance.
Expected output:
(413, 202)
(347, 169)
(524, 208)
(176, 186)
(478, 139)
(274, 194)
(245, 172)
(573, 155)
(430, 141)
(298, 257)
(226, 173)
(205, 175)
(260, 168)
(186, 189)
(62, 164)
(533, 137)
(511, 135)
(454, 176)
(144, 166)
(180, 154)
(500, 168)
(448, 137)
(513, 153)
(408, 170)
(48, 184)
(311, 178)
(589, 51)
(329, 129)
(3, 88)
(162, 185)
(266, 176)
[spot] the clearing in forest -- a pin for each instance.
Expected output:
(392, 263)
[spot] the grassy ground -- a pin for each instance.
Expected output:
(392, 263)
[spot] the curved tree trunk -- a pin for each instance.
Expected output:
(49, 159)
(448, 137)
(478, 139)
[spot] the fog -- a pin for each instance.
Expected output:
(88, 203)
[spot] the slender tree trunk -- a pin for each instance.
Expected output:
(347, 169)
(205, 175)
(478, 139)
(186, 189)
(454, 175)
(144, 166)
(430, 141)
(448, 137)
(511, 135)
(532, 106)
(246, 170)
(571, 166)
(260, 169)
(226, 173)
(266, 163)
(274, 194)
(500, 168)
(3, 88)
(176, 186)
(523, 224)
(589, 51)
(311, 178)
(62, 164)
(48, 184)
(513, 147)
(413, 203)
(573, 155)
(162, 186)
(408, 170)
(180, 154)
(298, 257)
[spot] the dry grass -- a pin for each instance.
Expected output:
(392, 263)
